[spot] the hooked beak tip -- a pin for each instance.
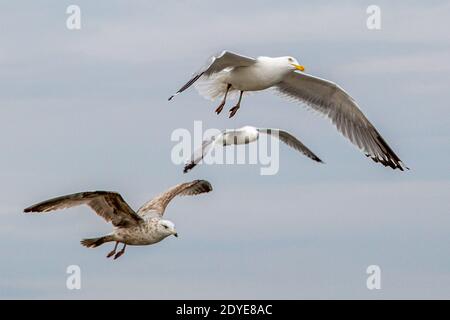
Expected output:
(176, 235)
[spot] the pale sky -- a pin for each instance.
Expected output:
(88, 110)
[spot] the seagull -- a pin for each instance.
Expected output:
(230, 72)
(246, 135)
(144, 227)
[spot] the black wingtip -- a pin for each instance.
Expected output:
(403, 166)
(188, 167)
(170, 98)
(30, 209)
(208, 185)
(316, 158)
(391, 163)
(392, 160)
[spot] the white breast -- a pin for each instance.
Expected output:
(264, 74)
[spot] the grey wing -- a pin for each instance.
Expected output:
(108, 205)
(331, 100)
(159, 203)
(292, 142)
(217, 63)
(200, 153)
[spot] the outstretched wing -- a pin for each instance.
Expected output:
(218, 63)
(331, 100)
(159, 203)
(291, 141)
(200, 153)
(108, 205)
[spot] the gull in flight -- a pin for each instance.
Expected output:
(144, 227)
(246, 135)
(229, 72)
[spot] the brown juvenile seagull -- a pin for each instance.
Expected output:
(230, 72)
(144, 227)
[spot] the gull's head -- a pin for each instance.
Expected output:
(293, 64)
(166, 228)
(287, 64)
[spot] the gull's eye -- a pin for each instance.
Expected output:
(165, 227)
(290, 60)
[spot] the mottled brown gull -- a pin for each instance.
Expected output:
(143, 227)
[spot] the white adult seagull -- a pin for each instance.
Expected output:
(144, 227)
(246, 135)
(231, 72)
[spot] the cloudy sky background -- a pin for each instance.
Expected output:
(87, 110)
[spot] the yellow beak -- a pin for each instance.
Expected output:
(299, 67)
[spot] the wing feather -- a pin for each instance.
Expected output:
(292, 142)
(331, 100)
(109, 205)
(200, 153)
(217, 63)
(159, 203)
